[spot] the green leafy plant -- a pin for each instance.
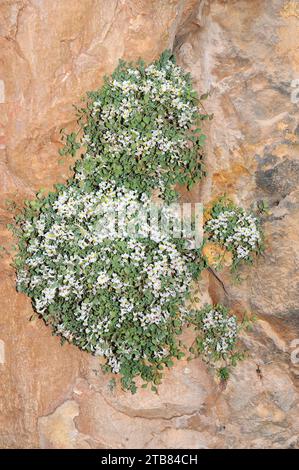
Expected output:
(144, 121)
(217, 337)
(106, 291)
(118, 295)
(237, 230)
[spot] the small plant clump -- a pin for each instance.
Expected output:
(116, 295)
(236, 230)
(217, 336)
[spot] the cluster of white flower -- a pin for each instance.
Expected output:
(220, 331)
(162, 86)
(144, 118)
(80, 264)
(134, 143)
(237, 231)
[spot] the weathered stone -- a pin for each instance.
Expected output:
(58, 430)
(245, 53)
(280, 180)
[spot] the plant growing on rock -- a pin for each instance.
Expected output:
(143, 122)
(106, 291)
(115, 294)
(217, 336)
(235, 230)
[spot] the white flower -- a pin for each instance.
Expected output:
(237, 229)
(103, 278)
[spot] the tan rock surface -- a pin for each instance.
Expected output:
(246, 53)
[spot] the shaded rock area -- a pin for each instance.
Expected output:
(245, 53)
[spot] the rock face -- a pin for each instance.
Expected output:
(245, 53)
